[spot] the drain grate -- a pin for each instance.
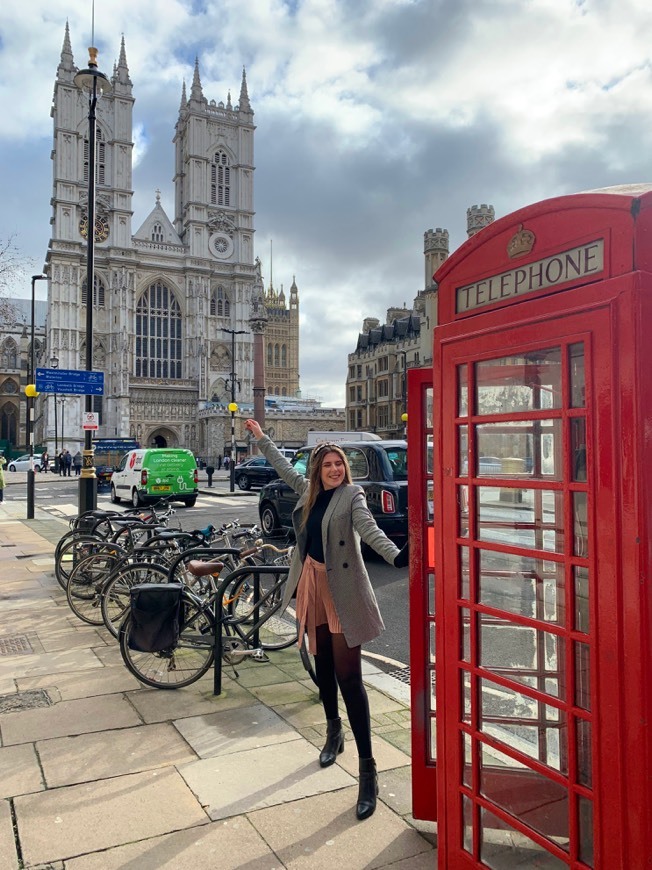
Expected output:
(15, 646)
(24, 701)
(403, 674)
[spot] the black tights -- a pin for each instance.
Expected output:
(338, 664)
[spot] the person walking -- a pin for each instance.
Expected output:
(45, 461)
(67, 458)
(62, 464)
(3, 462)
(336, 606)
(77, 462)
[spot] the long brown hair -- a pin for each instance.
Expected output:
(315, 485)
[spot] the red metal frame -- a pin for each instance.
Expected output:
(543, 798)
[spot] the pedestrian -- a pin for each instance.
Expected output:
(62, 463)
(45, 461)
(3, 462)
(226, 463)
(219, 462)
(77, 462)
(67, 458)
(336, 606)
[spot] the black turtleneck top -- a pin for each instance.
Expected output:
(315, 546)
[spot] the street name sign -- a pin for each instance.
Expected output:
(73, 381)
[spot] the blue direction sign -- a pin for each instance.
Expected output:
(75, 381)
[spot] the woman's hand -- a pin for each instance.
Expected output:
(402, 558)
(254, 428)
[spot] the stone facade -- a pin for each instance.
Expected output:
(169, 297)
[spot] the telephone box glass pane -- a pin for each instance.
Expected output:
(502, 847)
(520, 383)
(577, 375)
(466, 696)
(465, 634)
(522, 653)
(578, 448)
(463, 509)
(584, 753)
(462, 391)
(523, 585)
(580, 527)
(581, 622)
(582, 676)
(528, 518)
(427, 408)
(585, 820)
(467, 777)
(467, 824)
(463, 447)
(464, 573)
(431, 594)
(533, 798)
(534, 448)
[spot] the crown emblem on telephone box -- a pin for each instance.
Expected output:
(520, 243)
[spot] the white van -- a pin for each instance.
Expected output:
(287, 452)
(335, 437)
(157, 472)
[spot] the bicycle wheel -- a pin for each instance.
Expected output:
(84, 587)
(114, 596)
(71, 553)
(180, 665)
(276, 630)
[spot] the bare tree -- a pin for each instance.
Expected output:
(13, 270)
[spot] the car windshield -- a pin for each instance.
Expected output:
(398, 460)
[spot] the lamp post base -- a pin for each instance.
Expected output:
(87, 494)
(30, 494)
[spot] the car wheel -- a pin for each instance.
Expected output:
(114, 496)
(243, 482)
(190, 502)
(135, 498)
(269, 519)
(12, 467)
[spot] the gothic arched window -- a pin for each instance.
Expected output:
(157, 233)
(220, 179)
(100, 158)
(220, 304)
(276, 355)
(99, 292)
(284, 355)
(8, 423)
(9, 354)
(270, 354)
(158, 334)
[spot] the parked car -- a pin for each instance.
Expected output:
(254, 472)
(22, 463)
(379, 467)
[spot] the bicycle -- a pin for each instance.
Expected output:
(251, 625)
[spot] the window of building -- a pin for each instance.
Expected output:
(270, 354)
(158, 334)
(99, 292)
(382, 417)
(359, 371)
(220, 180)
(284, 356)
(100, 158)
(360, 423)
(383, 388)
(352, 394)
(351, 371)
(9, 354)
(8, 423)
(383, 364)
(157, 233)
(359, 393)
(352, 420)
(98, 407)
(276, 355)
(220, 306)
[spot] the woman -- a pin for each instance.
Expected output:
(335, 601)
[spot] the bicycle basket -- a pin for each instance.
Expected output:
(155, 616)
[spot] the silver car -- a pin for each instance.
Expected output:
(22, 463)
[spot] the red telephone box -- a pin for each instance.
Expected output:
(540, 604)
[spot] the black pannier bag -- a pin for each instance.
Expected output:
(155, 616)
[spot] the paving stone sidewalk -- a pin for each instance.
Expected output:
(99, 772)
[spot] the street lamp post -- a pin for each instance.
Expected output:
(54, 364)
(232, 405)
(30, 392)
(94, 83)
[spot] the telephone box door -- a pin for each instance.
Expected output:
(517, 661)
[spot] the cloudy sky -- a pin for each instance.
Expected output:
(376, 120)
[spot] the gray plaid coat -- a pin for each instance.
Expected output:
(347, 521)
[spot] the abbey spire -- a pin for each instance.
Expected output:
(245, 105)
(66, 68)
(121, 76)
(196, 92)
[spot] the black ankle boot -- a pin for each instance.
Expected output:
(368, 789)
(334, 742)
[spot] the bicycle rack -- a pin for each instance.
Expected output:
(218, 649)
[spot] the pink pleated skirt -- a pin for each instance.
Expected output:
(314, 603)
